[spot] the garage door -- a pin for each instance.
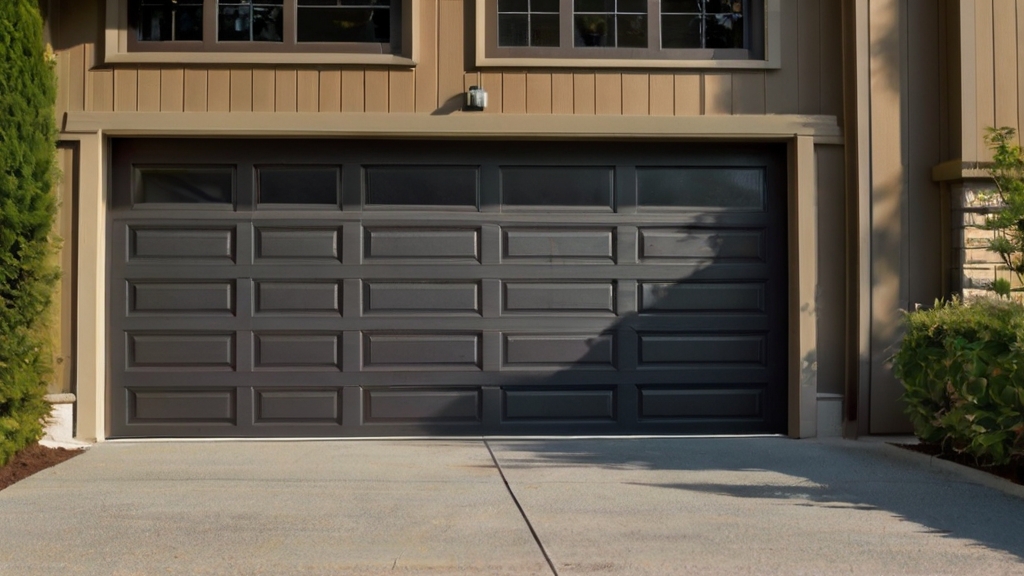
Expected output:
(380, 288)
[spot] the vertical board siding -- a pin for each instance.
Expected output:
(1004, 35)
(307, 86)
(284, 90)
(426, 70)
(608, 93)
(330, 91)
(149, 90)
(99, 84)
(402, 93)
(172, 90)
(808, 82)
(264, 90)
(241, 90)
(451, 66)
(689, 95)
(924, 151)
(352, 91)
(219, 99)
(1020, 66)
(76, 80)
(888, 205)
(831, 269)
(663, 95)
(126, 90)
(492, 82)
(748, 93)
(513, 93)
(538, 93)
(561, 93)
(196, 89)
(583, 96)
(985, 65)
(782, 86)
(717, 93)
(636, 94)
(809, 57)
(831, 86)
(376, 86)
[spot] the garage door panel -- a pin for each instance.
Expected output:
(303, 406)
(297, 351)
(660, 244)
(197, 297)
(181, 406)
(424, 405)
(422, 351)
(451, 288)
(311, 297)
(553, 350)
(215, 244)
(558, 405)
(556, 245)
(560, 297)
(440, 244)
(277, 244)
(668, 297)
(668, 403)
(421, 297)
(180, 351)
(708, 348)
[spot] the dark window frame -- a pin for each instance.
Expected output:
(754, 33)
(289, 43)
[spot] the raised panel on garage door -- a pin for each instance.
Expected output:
(325, 288)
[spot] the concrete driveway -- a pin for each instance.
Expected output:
(587, 506)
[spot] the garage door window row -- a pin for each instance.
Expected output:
(453, 187)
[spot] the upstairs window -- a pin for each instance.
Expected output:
(623, 30)
(368, 26)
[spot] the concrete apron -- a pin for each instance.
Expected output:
(570, 506)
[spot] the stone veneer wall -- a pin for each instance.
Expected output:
(974, 267)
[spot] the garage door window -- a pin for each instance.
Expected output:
(210, 186)
(298, 186)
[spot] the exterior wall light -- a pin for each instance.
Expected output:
(476, 98)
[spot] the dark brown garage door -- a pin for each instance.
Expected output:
(324, 288)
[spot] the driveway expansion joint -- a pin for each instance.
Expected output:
(536, 537)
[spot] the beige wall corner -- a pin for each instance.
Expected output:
(90, 370)
(803, 288)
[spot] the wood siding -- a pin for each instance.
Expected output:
(809, 81)
(991, 69)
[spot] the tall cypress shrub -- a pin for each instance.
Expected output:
(27, 206)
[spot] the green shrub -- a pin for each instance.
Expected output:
(27, 175)
(963, 370)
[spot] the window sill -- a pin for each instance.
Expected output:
(296, 58)
(484, 61)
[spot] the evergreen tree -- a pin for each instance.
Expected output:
(27, 206)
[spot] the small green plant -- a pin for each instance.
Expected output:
(27, 206)
(1008, 221)
(963, 370)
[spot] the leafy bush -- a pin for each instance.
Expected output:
(27, 175)
(963, 370)
(1008, 221)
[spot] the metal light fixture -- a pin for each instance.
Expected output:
(476, 98)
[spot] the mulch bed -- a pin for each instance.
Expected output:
(31, 460)
(1014, 471)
